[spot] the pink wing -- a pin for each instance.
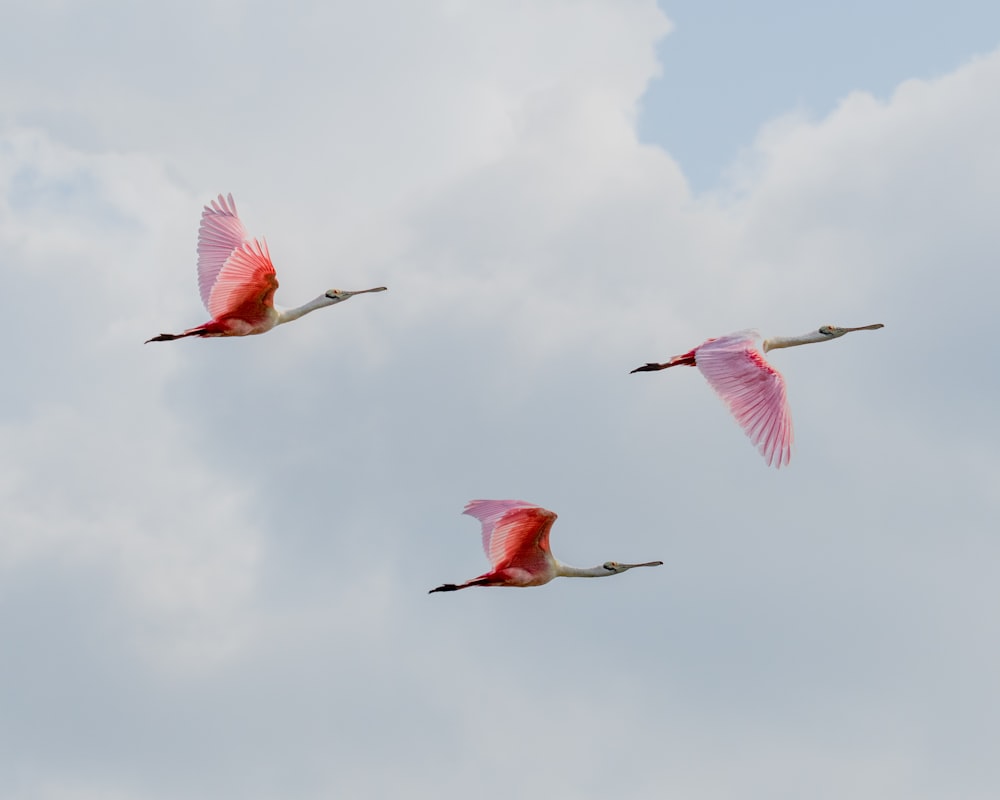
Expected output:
(234, 271)
(245, 285)
(515, 533)
(753, 390)
(220, 233)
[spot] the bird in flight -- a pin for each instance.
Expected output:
(516, 541)
(237, 281)
(750, 386)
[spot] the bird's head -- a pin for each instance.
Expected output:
(614, 567)
(339, 295)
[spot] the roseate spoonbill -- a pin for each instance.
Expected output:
(237, 282)
(516, 541)
(752, 388)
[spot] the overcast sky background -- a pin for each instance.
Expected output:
(214, 555)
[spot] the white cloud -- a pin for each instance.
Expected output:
(97, 473)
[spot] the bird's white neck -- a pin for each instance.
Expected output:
(566, 571)
(777, 342)
(289, 314)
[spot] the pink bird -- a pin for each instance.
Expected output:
(237, 282)
(752, 388)
(516, 541)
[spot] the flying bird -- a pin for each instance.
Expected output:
(237, 282)
(752, 388)
(516, 541)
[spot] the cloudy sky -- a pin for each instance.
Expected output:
(214, 555)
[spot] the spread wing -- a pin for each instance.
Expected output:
(515, 533)
(234, 271)
(753, 390)
(245, 285)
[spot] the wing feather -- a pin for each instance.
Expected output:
(219, 235)
(515, 533)
(753, 390)
(245, 284)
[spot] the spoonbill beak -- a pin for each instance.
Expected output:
(624, 567)
(874, 327)
(339, 295)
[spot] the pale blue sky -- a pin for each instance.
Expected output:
(729, 67)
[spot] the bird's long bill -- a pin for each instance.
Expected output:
(646, 564)
(365, 291)
(874, 327)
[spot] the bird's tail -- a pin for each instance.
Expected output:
(686, 360)
(650, 367)
(447, 587)
(454, 587)
(169, 337)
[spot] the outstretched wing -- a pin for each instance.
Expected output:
(515, 533)
(219, 235)
(234, 271)
(245, 285)
(753, 390)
